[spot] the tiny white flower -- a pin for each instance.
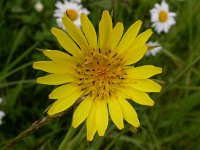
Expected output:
(2, 114)
(153, 51)
(39, 6)
(72, 9)
(1, 100)
(161, 18)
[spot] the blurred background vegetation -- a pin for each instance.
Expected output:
(174, 121)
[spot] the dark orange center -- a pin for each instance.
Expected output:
(72, 14)
(163, 16)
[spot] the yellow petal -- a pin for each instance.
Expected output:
(141, 39)
(129, 36)
(116, 113)
(53, 67)
(129, 112)
(75, 33)
(138, 96)
(63, 104)
(63, 91)
(57, 55)
(82, 111)
(143, 72)
(116, 35)
(105, 28)
(132, 56)
(66, 42)
(101, 117)
(89, 31)
(146, 85)
(55, 79)
(90, 123)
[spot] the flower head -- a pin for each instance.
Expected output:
(155, 50)
(39, 6)
(100, 72)
(161, 18)
(72, 9)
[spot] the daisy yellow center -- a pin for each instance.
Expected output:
(100, 74)
(72, 14)
(163, 16)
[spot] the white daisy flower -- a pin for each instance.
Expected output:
(39, 6)
(153, 51)
(161, 18)
(72, 9)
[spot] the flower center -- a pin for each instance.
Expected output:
(72, 14)
(100, 74)
(163, 16)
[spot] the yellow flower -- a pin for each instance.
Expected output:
(100, 72)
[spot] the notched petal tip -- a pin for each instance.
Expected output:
(101, 133)
(83, 15)
(36, 65)
(160, 70)
(139, 21)
(75, 125)
(151, 103)
(33, 65)
(50, 112)
(40, 80)
(64, 19)
(53, 30)
(105, 12)
(51, 96)
(121, 127)
(150, 32)
(90, 138)
(137, 125)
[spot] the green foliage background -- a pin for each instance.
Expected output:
(173, 123)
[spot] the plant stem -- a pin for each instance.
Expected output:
(115, 140)
(34, 127)
(181, 73)
(67, 138)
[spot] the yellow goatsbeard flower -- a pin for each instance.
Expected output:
(100, 72)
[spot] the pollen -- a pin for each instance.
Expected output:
(72, 14)
(163, 16)
(101, 74)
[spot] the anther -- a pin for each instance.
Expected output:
(114, 55)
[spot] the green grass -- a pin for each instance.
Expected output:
(173, 123)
